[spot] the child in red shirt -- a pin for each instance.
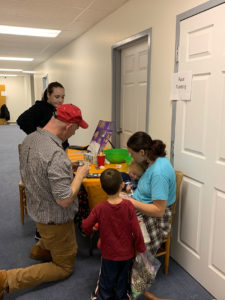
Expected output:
(120, 236)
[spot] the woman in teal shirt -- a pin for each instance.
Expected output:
(156, 190)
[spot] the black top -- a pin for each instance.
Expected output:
(4, 112)
(37, 115)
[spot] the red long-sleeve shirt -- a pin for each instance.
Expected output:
(119, 229)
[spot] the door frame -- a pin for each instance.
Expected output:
(188, 14)
(45, 81)
(116, 79)
(32, 89)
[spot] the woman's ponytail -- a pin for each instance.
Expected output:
(44, 96)
(157, 150)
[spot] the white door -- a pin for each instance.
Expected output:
(134, 65)
(198, 242)
(45, 82)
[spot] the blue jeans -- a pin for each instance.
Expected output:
(114, 281)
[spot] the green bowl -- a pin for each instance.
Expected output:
(116, 156)
(128, 159)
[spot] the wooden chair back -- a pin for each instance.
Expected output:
(179, 178)
(165, 249)
(23, 204)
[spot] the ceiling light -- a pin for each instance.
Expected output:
(11, 70)
(16, 58)
(7, 75)
(28, 31)
(29, 72)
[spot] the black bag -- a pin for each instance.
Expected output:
(4, 113)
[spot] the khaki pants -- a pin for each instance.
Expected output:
(60, 240)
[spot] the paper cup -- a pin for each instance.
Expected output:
(101, 160)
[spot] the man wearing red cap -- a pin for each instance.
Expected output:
(51, 192)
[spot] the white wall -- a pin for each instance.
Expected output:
(84, 66)
(18, 96)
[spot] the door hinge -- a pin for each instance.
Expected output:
(177, 54)
(172, 152)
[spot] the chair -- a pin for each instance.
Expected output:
(23, 206)
(165, 248)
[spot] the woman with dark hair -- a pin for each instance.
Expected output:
(156, 190)
(41, 112)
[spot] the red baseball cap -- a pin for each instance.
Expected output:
(70, 113)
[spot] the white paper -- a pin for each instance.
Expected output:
(3, 93)
(181, 86)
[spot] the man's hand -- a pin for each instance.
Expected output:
(83, 170)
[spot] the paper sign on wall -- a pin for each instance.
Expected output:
(181, 86)
(3, 93)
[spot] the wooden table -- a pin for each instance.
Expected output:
(92, 185)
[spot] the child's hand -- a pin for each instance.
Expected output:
(123, 195)
(99, 244)
(95, 227)
(128, 188)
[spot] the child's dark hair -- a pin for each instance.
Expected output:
(142, 141)
(50, 89)
(111, 180)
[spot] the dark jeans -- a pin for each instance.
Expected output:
(114, 281)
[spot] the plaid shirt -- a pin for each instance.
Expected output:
(47, 174)
(158, 229)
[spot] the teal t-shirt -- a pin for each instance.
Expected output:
(157, 183)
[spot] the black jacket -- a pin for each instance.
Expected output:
(37, 115)
(4, 112)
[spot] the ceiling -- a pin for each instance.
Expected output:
(72, 17)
